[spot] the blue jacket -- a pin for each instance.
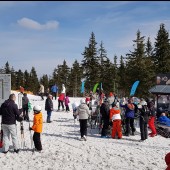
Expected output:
(164, 120)
(128, 112)
(54, 88)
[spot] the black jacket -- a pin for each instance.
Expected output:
(105, 111)
(48, 104)
(144, 113)
(9, 111)
(25, 101)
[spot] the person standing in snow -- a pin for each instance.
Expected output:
(104, 110)
(152, 117)
(116, 119)
(67, 101)
(54, 90)
(143, 119)
(41, 91)
(10, 113)
(111, 99)
(25, 101)
(60, 101)
(49, 107)
(84, 113)
(129, 117)
(37, 127)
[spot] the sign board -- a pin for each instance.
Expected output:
(163, 79)
(5, 87)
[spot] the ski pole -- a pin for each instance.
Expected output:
(31, 137)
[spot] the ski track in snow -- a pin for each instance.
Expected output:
(62, 149)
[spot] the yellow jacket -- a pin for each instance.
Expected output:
(37, 122)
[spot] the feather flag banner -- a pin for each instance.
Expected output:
(95, 87)
(82, 87)
(134, 87)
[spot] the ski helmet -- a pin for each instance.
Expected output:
(37, 109)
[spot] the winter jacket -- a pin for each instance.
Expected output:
(48, 104)
(9, 111)
(67, 101)
(25, 101)
(152, 108)
(61, 97)
(144, 113)
(83, 111)
(129, 110)
(115, 114)
(164, 120)
(37, 122)
(41, 90)
(104, 110)
(54, 89)
(63, 89)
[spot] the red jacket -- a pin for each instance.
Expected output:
(61, 97)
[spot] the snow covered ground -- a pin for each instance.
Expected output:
(62, 149)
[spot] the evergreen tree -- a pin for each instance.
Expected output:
(75, 79)
(44, 81)
(90, 63)
(61, 74)
(138, 68)
(7, 68)
(122, 77)
(19, 79)
(162, 51)
(34, 83)
(13, 79)
(27, 81)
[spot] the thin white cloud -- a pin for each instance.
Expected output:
(32, 24)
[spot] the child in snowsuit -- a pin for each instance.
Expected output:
(67, 101)
(116, 119)
(37, 127)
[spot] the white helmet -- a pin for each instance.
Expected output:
(37, 108)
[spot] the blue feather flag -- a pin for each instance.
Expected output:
(134, 87)
(82, 87)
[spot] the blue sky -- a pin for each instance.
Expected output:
(43, 34)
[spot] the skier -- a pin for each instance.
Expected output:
(60, 101)
(10, 113)
(25, 101)
(116, 119)
(104, 110)
(143, 120)
(37, 127)
(54, 90)
(152, 117)
(49, 107)
(67, 101)
(84, 113)
(41, 91)
(129, 117)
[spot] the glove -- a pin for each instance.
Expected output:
(30, 128)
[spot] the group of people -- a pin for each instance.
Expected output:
(10, 114)
(116, 114)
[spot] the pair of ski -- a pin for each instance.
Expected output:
(23, 144)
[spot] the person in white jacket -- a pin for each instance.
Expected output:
(63, 89)
(84, 113)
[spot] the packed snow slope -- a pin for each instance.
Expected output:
(62, 149)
